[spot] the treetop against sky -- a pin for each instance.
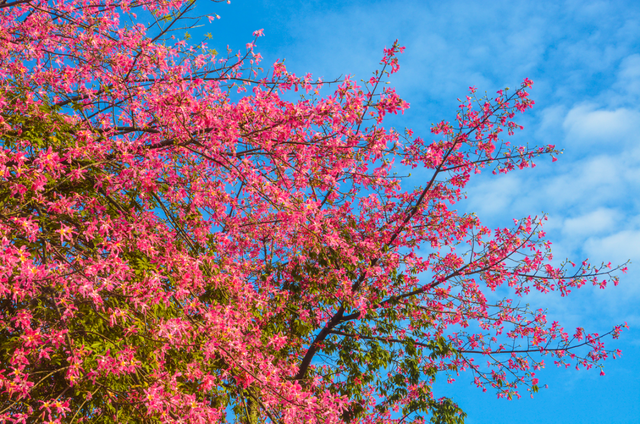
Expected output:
(199, 233)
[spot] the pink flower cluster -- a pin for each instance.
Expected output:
(173, 252)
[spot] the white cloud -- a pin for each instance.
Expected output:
(619, 247)
(627, 86)
(550, 120)
(494, 196)
(594, 222)
(579, 186)
(611, 129)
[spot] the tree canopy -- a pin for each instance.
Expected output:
(183, 242)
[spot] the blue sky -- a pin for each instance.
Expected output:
(584, 58)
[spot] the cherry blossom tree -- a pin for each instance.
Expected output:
(181, 243)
